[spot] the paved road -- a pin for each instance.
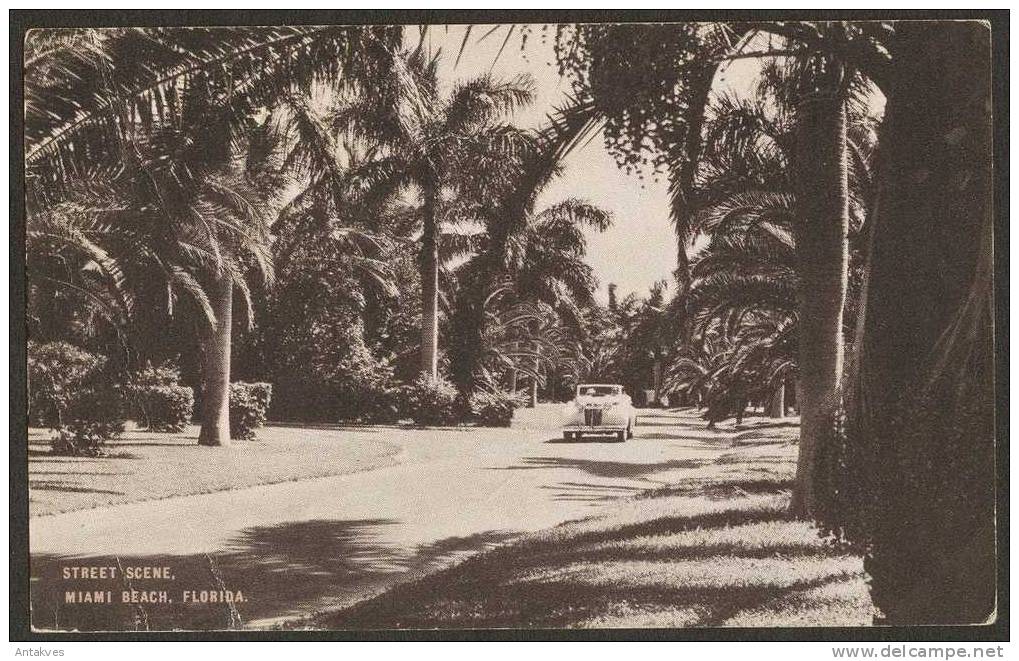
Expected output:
(299, 547)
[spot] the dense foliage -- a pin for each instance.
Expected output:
(95, 415)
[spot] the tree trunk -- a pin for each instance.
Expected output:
(513, 380)
(915, 481)
(822, 247)
(429, 261)
(684, 203)
(776, 407)
(534, 387)
(216, 380)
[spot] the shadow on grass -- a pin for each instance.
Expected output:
(47, 454)
(175, 443)
(603, 438)
(563, 580)
(67, 487)
(674, 524)
(604, 468)
(594, 493)
(735, 459)
(776, 423)
(281, 571)
(69, 473)
(45, 457)
(372, 428)
(725, 489)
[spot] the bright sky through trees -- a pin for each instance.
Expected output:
(640, 248)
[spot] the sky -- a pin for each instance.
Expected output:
(640, 247)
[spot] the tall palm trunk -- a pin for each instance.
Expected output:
(915, 483)
(466, 344)
(684, 201)
(822, 247)
(776, 407)
(533, 401)
(656, 378)
(216, 381)
(430, 288)
(683, 194)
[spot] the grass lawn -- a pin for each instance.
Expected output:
(146, 465)
(713, 548)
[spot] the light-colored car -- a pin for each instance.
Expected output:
(599, 408)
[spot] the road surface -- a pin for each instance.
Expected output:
(300, 547)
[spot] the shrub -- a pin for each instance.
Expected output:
(94, 415)
(249, 403)
(323, 371)
(160, 402)
(55, 371)
(360, 385)
(381, 406)
(431, 402)
(495, 409)
(72, 393)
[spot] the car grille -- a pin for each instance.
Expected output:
(592, 417)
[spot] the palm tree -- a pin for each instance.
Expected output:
(599, 343)
(744, 295)
(540, 262)
(436, 145)
(910, 477)
(762, 168)
(510, 257)
(648, 335)
(167, 105)
(817, 90)
(525, 338)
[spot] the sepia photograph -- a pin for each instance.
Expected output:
(426, 323)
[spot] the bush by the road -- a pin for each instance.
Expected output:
(161, 403)
(381, 406)
(71, 392)
(94, 415)
(495, 409)
(249, 403)
(56, 370)
(431, 402)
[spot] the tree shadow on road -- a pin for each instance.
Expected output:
(591, 493)
(282, 571)
(608, 469)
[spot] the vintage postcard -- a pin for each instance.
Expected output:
(655, 323)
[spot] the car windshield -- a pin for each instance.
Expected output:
(597, 391)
